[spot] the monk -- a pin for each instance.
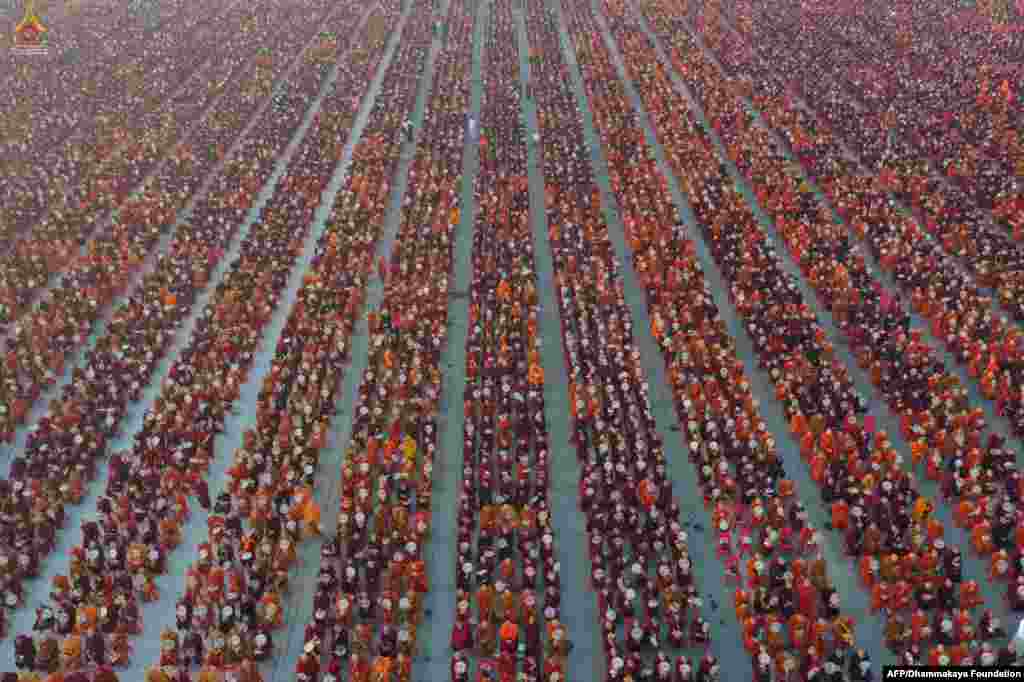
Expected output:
(509, 634)
(840, 515)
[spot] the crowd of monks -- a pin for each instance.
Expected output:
(952, 247)
(234, 590)
(508, 603)
(61, 452)
(786, 602)
(946, 434)
(368, 606)
(919, 182)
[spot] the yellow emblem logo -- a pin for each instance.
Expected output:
(30, 33)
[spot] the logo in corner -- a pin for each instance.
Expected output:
(30, 37)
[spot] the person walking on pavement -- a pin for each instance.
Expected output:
(1018, 642)
(202, 491)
